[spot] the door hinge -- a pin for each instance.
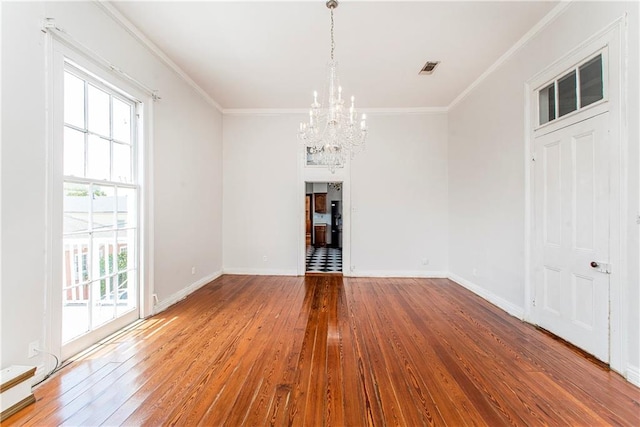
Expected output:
(534, 302)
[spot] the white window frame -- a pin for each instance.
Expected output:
(90, 79)
(579, 111)
(59, 48)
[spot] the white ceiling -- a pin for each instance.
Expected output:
(268, 54)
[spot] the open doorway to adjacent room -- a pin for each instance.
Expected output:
(323, 217)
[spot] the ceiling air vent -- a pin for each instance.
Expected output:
(429, 67)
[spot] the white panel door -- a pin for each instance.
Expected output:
(571, 253)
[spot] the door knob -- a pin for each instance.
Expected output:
(602, 267)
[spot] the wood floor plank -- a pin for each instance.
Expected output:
(323, 350)
(392, 374)
(334, 409)
(200, 321)
(356, 411)
(439, 381)
(263, 376)
(393, 323)
(206, 358)
(249, 360)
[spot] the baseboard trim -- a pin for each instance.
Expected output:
(633, 375)
(399, 274)
(259, 272)
(183, 293)
(14, 409)
(494, 299)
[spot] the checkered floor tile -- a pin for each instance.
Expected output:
(324, 260)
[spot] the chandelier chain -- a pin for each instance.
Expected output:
(333, 44)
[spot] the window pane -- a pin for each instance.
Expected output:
(121, 163)
(103, 253)
(76, 260)
(99, 263)
(99, 159)
(126, 249)
(98, 111)
(567, 98)
(102, 296)
(103, 202)
(105, 265)
(123, 259)
(73, 157)
(126, 271)
(76, 208)
(126, 207)
(591, 83)
(121, 121)
(73, 100)
(75, 312)
(547, 103)
(126, 292)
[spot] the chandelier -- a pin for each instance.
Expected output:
(333, 130)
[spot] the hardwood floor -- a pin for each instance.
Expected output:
(324, 350)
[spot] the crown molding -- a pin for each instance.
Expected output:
(541, 25)
(119, 18)
(374, 111)
(409, 110)
(263, 111)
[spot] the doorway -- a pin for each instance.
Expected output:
(572, 248)
(575, 221)
(323, 230)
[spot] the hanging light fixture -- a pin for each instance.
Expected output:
(333, 130)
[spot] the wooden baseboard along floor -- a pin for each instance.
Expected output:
(15, 389)
(328, 350)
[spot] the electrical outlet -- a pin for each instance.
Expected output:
(475, 272)
(193, 270)
(264, 258)
(425, 261)
(33, 349)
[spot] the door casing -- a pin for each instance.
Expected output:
(612, 39)
(322, 174)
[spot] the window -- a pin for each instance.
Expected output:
(591, 82)
(572, 91)
(100, 204)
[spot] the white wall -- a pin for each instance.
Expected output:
(486, 164)
(398, 189)
(260, 200)
(187, 146)
(399, 197)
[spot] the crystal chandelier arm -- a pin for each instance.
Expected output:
(333, 132)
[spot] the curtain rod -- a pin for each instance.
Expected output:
(51, 28)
